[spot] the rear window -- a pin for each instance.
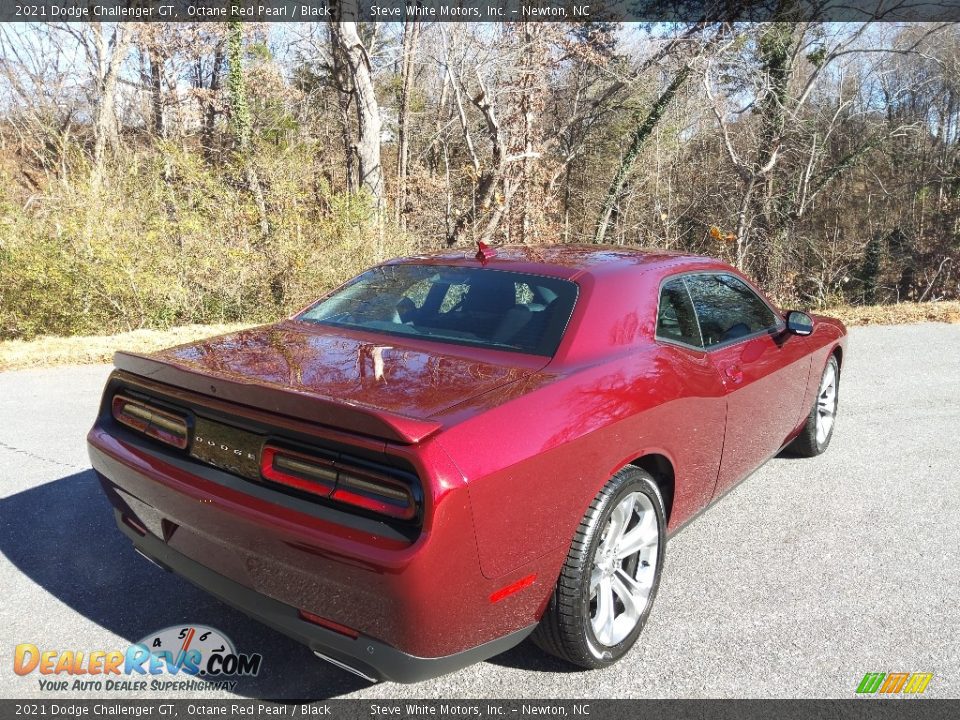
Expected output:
(467, 306)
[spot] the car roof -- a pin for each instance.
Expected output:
(564, 260)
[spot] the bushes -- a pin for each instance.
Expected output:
(167, 240)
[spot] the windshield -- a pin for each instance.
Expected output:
(468, 306)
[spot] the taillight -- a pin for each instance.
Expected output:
(339, 481)
(372, 491)
(159, 424)
(303, 472)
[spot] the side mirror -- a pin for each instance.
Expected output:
(799, 323)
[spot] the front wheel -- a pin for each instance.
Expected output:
(610, 578)
(818, 429)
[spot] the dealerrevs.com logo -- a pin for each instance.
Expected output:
(202, 656)
(897, 683)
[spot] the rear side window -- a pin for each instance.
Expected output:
(676, 319)
(462, 305)
(727, 309)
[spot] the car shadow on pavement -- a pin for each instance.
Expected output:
(527, 656)
(788, 454)
(61, 535)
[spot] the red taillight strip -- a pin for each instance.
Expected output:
(329, 624)
(344, 483)
(316, 475)
(368, 503)
(158, 424)
(374, 493)
(512, 588)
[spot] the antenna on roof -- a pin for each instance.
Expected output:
(484, 252)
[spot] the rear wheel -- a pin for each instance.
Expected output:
(818, 429)
(610, 578)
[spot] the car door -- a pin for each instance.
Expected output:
(763, 370)
(698, 418)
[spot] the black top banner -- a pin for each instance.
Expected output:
(676, 11)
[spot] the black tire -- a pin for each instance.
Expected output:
(566, 630)
(807, 443)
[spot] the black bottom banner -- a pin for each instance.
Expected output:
(867, 709)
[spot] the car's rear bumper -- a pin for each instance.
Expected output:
(421, 603)
(364, 656)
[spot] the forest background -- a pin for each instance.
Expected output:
(158, 175)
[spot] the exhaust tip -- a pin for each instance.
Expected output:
(344, 666)
(149, 559)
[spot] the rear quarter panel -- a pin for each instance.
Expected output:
(546, 445)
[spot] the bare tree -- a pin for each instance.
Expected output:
(639, 137)
(350, 57)
(36, 87)
(105, 49)
(411, 36)
(790, 60)
(822, 158)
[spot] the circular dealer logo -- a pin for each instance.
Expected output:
(198, 650)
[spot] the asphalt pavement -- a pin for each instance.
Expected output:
(805, 577)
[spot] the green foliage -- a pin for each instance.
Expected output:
(816, 57)
(239, 111)
(391, 88)
(259, 51)
(167, 240)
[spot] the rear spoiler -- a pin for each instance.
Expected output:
(311, 407)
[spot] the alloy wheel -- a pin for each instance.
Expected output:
(624, 569)
(827, 403)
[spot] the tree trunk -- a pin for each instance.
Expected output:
(345, 100)
(437, 148)
(156, 91)
(775, 48)
(640, 136)
(489, 178)
(105, 120)
(240, 122)
(531, 113)
(236, 87)
(210, 106)
(411, 32)
(743, 224)
(367, 147)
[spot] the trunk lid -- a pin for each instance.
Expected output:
(376, 385)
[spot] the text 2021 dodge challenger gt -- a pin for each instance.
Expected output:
(451, 452)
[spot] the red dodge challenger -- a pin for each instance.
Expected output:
(453, 451)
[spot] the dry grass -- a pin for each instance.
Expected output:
(80, 350)
(899, 314)
(48, 351)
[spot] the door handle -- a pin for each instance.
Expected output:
(734, 373)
